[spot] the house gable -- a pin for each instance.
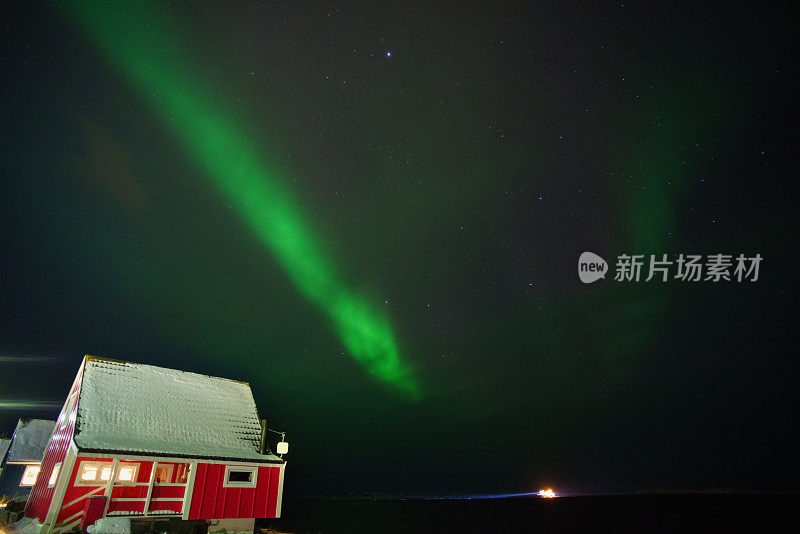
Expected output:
(59, 444)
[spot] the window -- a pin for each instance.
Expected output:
(29, 476)
(90, 473)
(126, 473)
(105, 473)
(240, 476)
(163, 474)
(54, 475)
(183, 473)
(98, 473)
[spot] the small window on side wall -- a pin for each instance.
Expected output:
(240, 476)
(54, 475)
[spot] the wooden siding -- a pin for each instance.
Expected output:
(56, 451)
(210, 500)
(74, 497)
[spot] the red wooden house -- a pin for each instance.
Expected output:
(143, 441)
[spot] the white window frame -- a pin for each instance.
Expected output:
(38, 468)
(96, 481)
(54, 475)
(99, 466)
(250, 484)
(120, 466)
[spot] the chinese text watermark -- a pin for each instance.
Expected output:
(682, 267)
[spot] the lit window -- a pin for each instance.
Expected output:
(94, 473)
(127, 473)
(30, 474)
(240, 476)
(105, 474)
(89, 473)
(98, 473)
(163, 474)
(54, 475)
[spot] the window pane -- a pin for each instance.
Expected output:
(240, 476)
(126, 474)
(105, 474)
(183, 472)
(89, 472)
(54, 475)
(30, 474)
(163, 474)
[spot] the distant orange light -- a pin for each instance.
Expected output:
(547, 493)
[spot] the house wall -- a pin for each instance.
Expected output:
(41, 496)
(210, 500)
(75, 495)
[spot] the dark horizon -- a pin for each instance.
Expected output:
(373, 214)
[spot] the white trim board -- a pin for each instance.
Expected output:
(173, 459)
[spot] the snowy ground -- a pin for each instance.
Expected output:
(111, 525)
(23, 526)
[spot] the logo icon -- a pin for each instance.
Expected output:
(591, 267)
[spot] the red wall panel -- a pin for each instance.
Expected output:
(164, 492)
(125, 506)
(92, 511)
(273, 492)
(174, 506)
(77, 504)
(246, 503)
(129, 492)
(212, 501)
(75, 493)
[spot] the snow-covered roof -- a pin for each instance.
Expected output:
(130, 407)
(4, 444)
(30, 440)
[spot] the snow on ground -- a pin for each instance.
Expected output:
(142, 408)
(111, 525)
(25, 525)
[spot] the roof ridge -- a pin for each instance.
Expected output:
(93, 358)
(105, 359)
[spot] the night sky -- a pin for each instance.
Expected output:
(373, 213)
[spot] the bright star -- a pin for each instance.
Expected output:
(388, 54)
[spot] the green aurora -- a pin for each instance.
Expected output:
(150, 57)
